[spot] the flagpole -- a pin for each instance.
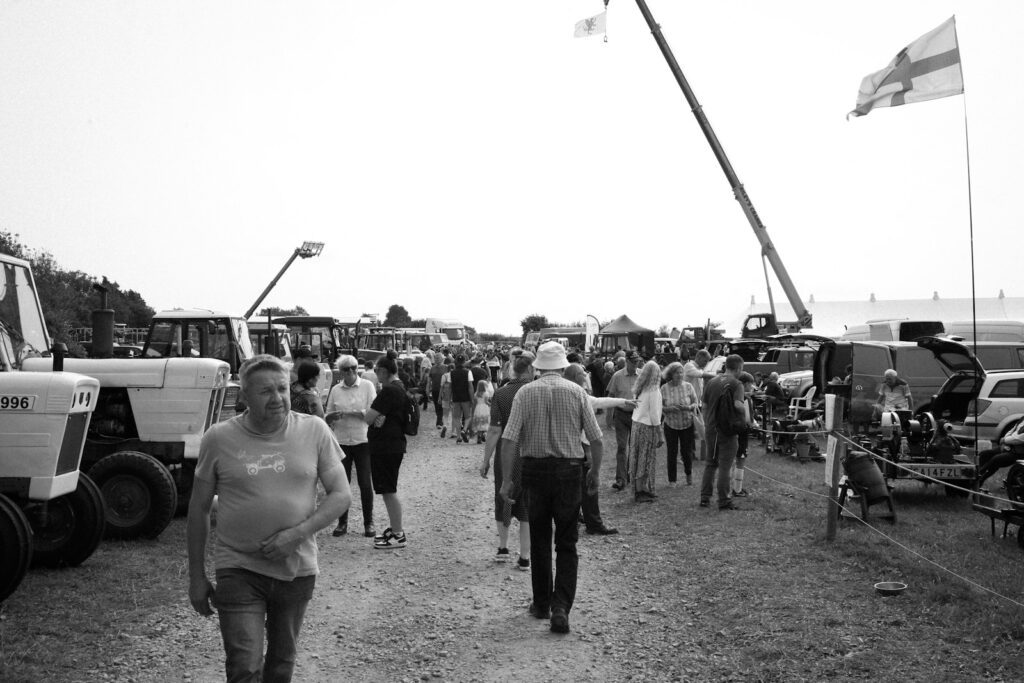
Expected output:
(970, 223)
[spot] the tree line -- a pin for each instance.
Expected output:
(68, 297)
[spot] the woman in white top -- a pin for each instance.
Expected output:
(645, 438)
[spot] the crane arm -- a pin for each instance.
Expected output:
(767, 248)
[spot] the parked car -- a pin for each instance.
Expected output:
(986, 403)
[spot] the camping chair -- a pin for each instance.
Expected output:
(799, 404)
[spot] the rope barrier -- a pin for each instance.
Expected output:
(889, 538)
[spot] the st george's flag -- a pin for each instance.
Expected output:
(927, 69)
(592, 26)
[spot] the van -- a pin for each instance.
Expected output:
(987, 330)
(921, 364)
(894, 330)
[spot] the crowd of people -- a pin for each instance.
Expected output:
(537, 418)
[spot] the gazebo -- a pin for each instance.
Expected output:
(623, 333)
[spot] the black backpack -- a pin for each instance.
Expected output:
(412, 415)
(729, 420)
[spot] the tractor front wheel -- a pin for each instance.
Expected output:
(139, 493)
(68, 529)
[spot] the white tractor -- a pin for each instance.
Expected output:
(50, 513)
(150, 415)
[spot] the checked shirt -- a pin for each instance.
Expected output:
(547, 417)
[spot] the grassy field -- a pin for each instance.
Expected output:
(685, 594)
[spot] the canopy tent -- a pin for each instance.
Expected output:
(623, 333)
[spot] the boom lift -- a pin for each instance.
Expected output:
(759, 325)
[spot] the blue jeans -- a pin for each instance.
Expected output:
(247, 603)
(623, 421)
(552, 490)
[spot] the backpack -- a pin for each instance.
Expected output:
(728, 419)
(411, 424)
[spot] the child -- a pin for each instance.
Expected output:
(741, 454)
(482, 410)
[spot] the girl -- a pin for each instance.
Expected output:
(482, 410)
(741, 454)
(645, 437)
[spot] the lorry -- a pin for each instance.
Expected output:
(453, 330)
(50, 513)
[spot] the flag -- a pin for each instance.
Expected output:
(927, 69)
(591, 26)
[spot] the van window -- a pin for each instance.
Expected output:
(997, 359)
(921, 370)
(1008, 388)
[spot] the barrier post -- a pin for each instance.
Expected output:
(837, 451)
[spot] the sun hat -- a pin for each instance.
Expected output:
(551, 356)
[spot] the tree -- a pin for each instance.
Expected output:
(397, 317)
(534, 323)
(275, 312)
(67, 296)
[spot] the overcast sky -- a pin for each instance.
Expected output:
(471, 159)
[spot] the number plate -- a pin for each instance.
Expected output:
(943, 471)
(8, 402)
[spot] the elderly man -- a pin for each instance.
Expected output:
(894, 394)
(347, 405)
(264, 466)
(722, 448)
(548, 415)
(621, 386)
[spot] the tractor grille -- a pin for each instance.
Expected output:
(71, 447)
(213, 412)
(227, 410)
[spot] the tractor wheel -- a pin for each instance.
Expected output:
(139, 493)
(71, 528)
(15, 546)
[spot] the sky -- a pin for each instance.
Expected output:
(472, 160)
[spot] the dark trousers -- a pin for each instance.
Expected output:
(435, 396)
(590, 504)
(676, 439)
(991, 460)
(359, 455)
(552, 490)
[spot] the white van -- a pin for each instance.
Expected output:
(987, 330)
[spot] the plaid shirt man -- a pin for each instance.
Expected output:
(547, 417)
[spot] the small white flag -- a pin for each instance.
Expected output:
(591, 26)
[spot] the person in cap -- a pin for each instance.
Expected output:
(621, 386)
(722, 448)
(501, 408)
(548, 415)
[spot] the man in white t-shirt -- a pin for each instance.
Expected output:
(263, 466)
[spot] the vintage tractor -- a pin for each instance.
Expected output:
(50, 513)
(149, 415)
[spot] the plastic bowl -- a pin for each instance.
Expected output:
(890, 587)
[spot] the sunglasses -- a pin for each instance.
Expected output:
(347, 368)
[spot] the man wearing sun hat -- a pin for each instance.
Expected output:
(547, 418)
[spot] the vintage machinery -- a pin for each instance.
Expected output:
(923, 446)
(50, 513)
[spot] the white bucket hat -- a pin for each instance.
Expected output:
(551, 356)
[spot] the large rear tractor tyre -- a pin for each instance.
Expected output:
(15, 546)
(139, 493)
(68, 529)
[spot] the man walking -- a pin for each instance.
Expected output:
(621, 386)
(462, 399)
(347, 405)
(548, 415)
(263, 465)
(722, 449)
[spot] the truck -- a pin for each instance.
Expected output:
(51, 513)
(453, 330)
